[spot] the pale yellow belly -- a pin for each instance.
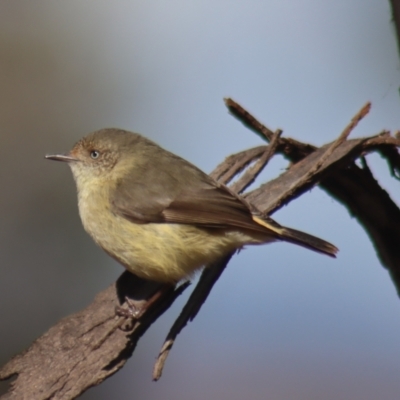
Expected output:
(159, 252)
(164, 252)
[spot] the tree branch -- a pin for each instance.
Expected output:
(83, 349)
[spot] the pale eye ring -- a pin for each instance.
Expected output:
(94, 154)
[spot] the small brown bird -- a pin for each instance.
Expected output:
(158, 215)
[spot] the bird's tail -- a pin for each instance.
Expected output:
(308, 241)
(297, 237)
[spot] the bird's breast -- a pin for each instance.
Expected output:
(156, 251)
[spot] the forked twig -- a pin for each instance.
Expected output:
(236, 163)
(251, 174)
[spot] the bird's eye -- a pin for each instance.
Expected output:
(94, 154)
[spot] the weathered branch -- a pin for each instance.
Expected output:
(352, 186)
(83, 349)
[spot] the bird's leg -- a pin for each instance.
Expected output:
(135, 309)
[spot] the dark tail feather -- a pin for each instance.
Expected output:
(308, 241)
(297, 237)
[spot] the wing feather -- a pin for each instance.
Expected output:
(194, 199)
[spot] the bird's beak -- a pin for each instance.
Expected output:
(60, 157)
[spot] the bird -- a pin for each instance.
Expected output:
(160, 216)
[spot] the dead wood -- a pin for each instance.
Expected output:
(84, 349)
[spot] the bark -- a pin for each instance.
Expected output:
(83, 349)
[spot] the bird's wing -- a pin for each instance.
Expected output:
(195, 199)
(213, 207)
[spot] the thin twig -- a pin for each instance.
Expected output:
(342, 137)
(199, 295)
(304, 179)
(236, 163)
(248, 120)
(291, 148)
(251, 174)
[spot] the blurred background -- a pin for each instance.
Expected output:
(283, 322)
